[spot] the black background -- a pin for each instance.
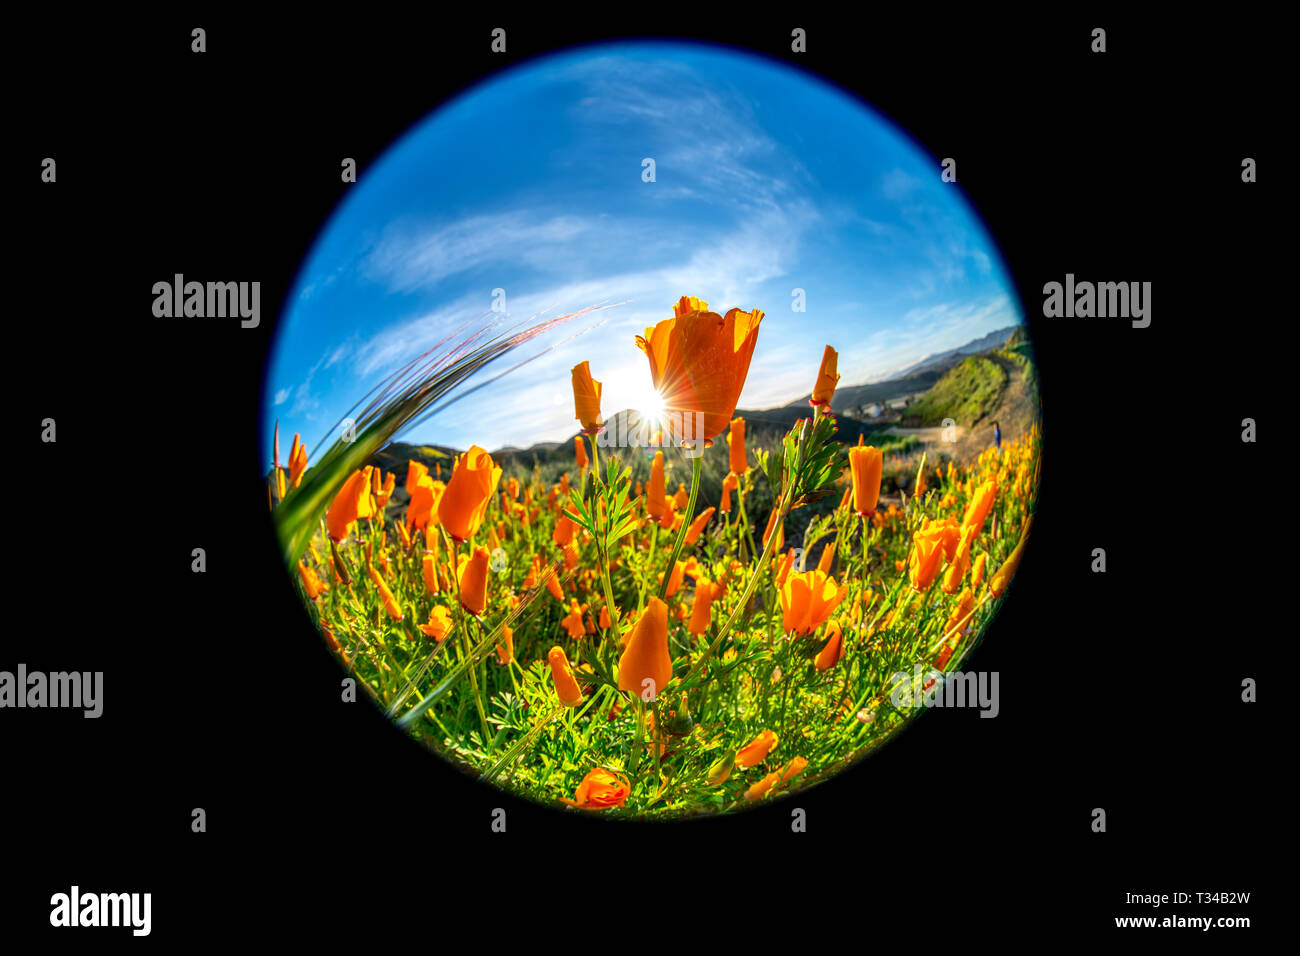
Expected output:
(1119, 690)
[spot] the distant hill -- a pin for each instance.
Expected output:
(946, 360)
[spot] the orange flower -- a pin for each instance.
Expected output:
(473, 575)
(977, 571)
(600, 789)
(783, 569)
(646, 657)
(808, 599)
(655, 504)
(998, 583)
(756, 751)
(297, 461)
(553, 584)
(682, 497)
(675, 578)
(604, 617)
(566, 688)
(563, 532)
(440, 623)
(698, 363)
(352, 502)
(828, 556)
(384, 491)
(693, 532)
(926, 558)
(311, 581)
(834, 650)
(761, 788)
(700, 609)
(827, 377)
(573, 620)
(729, 484)
(780, 532)
(506, 649)
(429, 567)
(793, 768)
(422, 509)
(473, 483)
(414, 472)
(965, 604)
(866, 463)
(580, 451)
(981, 503)
(952, 578)
(586, 398)
(386, 596)
(736, 447)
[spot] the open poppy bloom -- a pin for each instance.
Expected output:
(600, 789)
(756, 751)
(808, 598)
(698, 363)
(926, 558)
(440, 623)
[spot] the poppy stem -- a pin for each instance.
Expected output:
(697, 464)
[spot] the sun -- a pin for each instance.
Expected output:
(649, 405)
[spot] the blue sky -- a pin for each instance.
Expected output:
(767, 180)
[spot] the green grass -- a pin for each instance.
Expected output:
(966, 393)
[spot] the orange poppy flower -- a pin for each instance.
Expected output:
(566, 688)
(761, 788)
(700, 609)
(464, 502)
(351, 502)
(756, 751)
(414, 472)
(866, 464)
(429, 568)
(563, 533)
(736, 447)
(729, 484)
(834, 650)
(386, 596)
(981, 503)
(573, 620)
(808, 599)
(506, 648)
(586, 398)
(422, 509)
(473, 575)
(780, 532)
(600, 789)
(977, 571)
(655, 503)
(698, 362)
(311, 581)
(926, 558)
(646, 657)
(440, 623)
(553, 584)
(827, 378)
(793, 768)
(297, 461)
(697, 526)
(580, 451)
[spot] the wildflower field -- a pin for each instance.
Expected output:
(634, 634)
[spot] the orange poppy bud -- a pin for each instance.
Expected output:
(682, 497)
(580, 451)
(464, 502)
(808, 599)
(311, 582)
(512, 486)
(952, 577)
(981, 504)
(566, 688)
(828, 555)
(429, 567)
(473, 575)
(675, 578)
(729, 484)
(834, 650)
(783, 569)
(506, 648)
(736, 447)
(655, 505)
(827, 378)
(700, 609)
(440, 623)
(604, 618)
(780, 532)
(867, 464)
(414, 472)
(699, 362)
(977, 571)
(600, 789)
(793, 768)
(297, 461)
(646, 657)
(697, 526)
(386, 596)
(959, 617)
(586, 399)
(553, 584)
(998, 583)
(756, 751)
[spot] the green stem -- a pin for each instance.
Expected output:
(696, 465)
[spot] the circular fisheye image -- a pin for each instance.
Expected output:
(664, 432)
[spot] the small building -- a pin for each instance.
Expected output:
(874, 410)
(896, 404)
